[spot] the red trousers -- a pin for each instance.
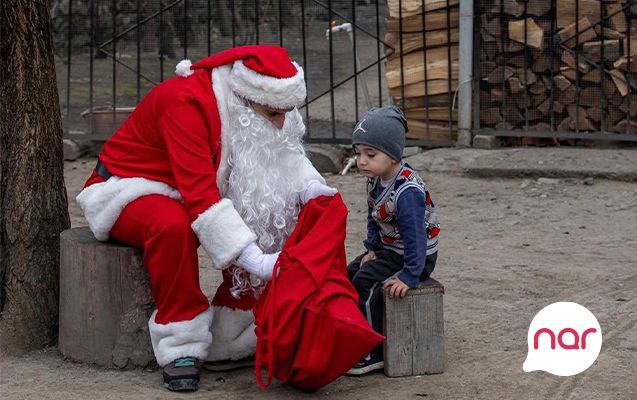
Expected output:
(160, 226)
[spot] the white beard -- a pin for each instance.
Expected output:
(264, 181)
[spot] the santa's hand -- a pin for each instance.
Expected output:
(315, 189)
(255, 262)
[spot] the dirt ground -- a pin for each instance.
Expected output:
(508, 248)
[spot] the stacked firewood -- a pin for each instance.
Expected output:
(422, 74)
(578, 79)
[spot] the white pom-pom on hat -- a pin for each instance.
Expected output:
(183, 68)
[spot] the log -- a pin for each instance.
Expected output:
(518, 61)
(511, 46)
(413, 7)
(622, 63)
(441, 100)
(521, 101)
(510, 7)
(545, 107)
(414, 41)
(433, 113)
(538, 7)
(565, 125)
(614, 116)
(594, 76)
(434, 86)
(537, 99)
(566, 11)
(494, 27)
(490, 115)
(631, 108)
(619, 79)
(497, 95)
(537, 88)
(504, 126)
(105, 302)
(593, 50)
(512, 113)
(626, 126)
(414, 328)
(569, 73)
(569, 59)
(531, 78)
(514, 85)
(414, 69)
(594, 113)
(486, 67)
(584, 32)
(533, 114)
(590, 96)
(420, 130)
(540, 127)
(433, 21)
(608, 33)
(616, 16)
(500, 74)
(579, 114)
(534, 34)
(543, 63)
(567, 96)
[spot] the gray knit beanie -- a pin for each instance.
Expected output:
(382, 128)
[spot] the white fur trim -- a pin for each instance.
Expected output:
(221, 88)
(222, 233)
(280, 93)
(183, 68)
(181, 339)
(103, 202)
(233, 334)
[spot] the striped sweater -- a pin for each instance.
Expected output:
(402, 218)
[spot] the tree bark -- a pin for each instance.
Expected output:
(33, 204)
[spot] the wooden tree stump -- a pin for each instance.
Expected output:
(414, 328)
(105, 302)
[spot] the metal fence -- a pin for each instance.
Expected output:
(110, 53)
(560, 69)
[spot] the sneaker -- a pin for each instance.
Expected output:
(182, 375)
(369, 363)
(228, 365)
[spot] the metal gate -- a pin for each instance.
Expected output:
(110, 53)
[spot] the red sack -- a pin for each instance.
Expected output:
(309, 328)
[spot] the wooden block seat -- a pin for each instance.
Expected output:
(414, 328)
(105, 302)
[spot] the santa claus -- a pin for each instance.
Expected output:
(212, 157)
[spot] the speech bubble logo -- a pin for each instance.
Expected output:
(564, 339)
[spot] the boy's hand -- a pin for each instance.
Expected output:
(368, 257)
(395, 288)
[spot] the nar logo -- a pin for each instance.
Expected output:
(564, 339)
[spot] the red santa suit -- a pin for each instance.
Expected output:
(166, 195)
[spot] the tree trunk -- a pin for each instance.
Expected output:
(33, 204)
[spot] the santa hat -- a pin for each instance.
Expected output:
(264, 74)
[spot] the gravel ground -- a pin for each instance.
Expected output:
(508, 248)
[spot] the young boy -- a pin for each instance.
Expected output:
(402, 228)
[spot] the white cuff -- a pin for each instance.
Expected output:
(181, 339)
(222, 233)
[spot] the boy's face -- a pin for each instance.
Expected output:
(372, 162)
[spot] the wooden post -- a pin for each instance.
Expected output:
(414, 328)
(105, 302)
